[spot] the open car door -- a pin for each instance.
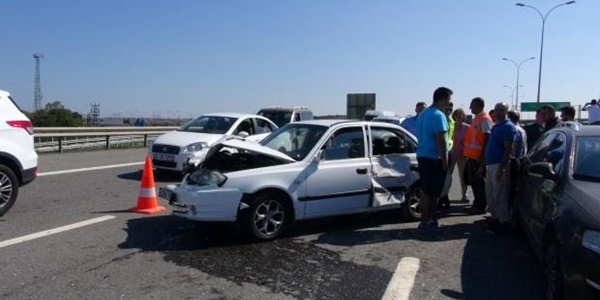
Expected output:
(392, 153)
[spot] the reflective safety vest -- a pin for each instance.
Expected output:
(475, 136)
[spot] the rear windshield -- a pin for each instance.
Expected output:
(14, 103)
(279, 117)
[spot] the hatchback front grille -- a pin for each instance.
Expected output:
(166, 149)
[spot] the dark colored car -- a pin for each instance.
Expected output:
(558, 207)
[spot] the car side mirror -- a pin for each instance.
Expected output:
(243, 134)
(542, 170)
(319, 156)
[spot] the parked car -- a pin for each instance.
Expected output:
(558, 208)
(18, 159)
(283, 115)
(389, 119)
(304, 170)
(372, 114)
(172, 150)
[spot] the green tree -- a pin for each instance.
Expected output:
(55, 115)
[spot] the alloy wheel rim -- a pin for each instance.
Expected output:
(6, 189)
(268, 217)
(413, 203)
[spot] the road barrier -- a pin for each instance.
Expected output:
(60, 139)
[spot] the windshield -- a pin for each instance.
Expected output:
(587, 159)
(208, 124)
(279, 117)
(295, 140)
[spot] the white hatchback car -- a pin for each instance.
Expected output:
(172, 150)
(303, 170)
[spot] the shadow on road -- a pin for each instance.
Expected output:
(299, 269)
(493, 267)
(158, 176)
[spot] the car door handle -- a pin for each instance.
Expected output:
(361, 171)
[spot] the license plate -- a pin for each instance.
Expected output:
(166, 194)
(163, 157)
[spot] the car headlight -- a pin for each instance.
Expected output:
(591, 240)
(195, 147)
(207, 177)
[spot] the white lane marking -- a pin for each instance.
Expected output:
(403, 280)
(44, 233)
(90, 169)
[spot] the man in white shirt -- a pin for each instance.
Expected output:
(593, 112)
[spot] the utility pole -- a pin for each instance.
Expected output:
(95, 113)
(37, 89)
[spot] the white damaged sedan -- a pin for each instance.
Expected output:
(301, 171)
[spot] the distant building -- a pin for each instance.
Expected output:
(358, 104)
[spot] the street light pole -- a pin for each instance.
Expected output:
(518, 66)
(542, 40)
(512, 94)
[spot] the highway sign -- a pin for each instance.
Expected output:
(533, 106)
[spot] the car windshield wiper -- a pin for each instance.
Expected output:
(586, 177)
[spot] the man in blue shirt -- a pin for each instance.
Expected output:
(497, 160)
(410, 124)
(432, 156)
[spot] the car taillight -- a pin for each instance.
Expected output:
(21, 124)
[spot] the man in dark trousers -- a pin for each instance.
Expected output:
(475, 141)
(432, 156)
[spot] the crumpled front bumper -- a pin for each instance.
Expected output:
(203, 203)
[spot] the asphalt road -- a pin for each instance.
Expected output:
(133, 256)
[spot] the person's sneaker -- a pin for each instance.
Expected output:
(429, 228)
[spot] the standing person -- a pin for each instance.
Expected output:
(567, 113)
(475, 141)
(550, 118)
(457, 157)
(519, 151)
(491, 113)
(410, 124)
(536, 129)
(432, 156)
(593, 110)
(444, 201)
(497, 160)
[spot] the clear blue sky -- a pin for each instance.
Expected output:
(189, 57)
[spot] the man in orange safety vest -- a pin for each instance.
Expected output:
(475, 141)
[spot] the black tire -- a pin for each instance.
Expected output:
(278, 217)
(9, 189)
(410, 209)
(553, 279)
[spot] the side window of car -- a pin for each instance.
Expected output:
(297, 117)
(538, 153)
(247, 126)
(262, 126)
(388, 141)
(556, 152)
(345, 143)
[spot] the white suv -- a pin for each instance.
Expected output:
(18, 159)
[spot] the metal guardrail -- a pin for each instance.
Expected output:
(52, 139)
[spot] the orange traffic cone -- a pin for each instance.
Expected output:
(147, 202)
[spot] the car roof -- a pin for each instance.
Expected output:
(580, 130)
(327, 122)
(232, 115)
(282, 108)
(4, 93)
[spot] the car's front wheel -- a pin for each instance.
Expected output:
(268, 217)
(9, 189)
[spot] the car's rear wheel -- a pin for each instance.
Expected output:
(411, 209)
(9, 189)
(553, 275)
(268, 217)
